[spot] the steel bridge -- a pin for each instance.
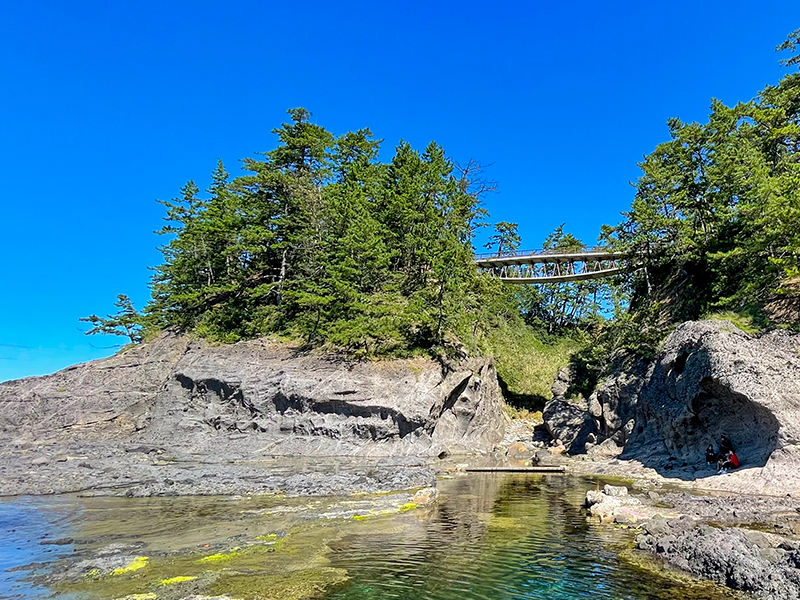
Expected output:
(552, 266)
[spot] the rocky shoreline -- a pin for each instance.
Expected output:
(177, 417)
(748, 543)
(649, 423)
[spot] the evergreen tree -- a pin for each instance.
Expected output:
(505, 238)
(126, 322)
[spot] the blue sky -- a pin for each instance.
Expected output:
(107, 106)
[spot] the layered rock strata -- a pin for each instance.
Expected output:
(177, 400)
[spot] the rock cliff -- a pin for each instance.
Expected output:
(259, 398)
(709, 379)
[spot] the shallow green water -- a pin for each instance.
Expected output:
(497, 538)
(491, 536)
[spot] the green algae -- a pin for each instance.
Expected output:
(674, 581)
(178, 579)
(293, 566)
(506, 523)
(140, 562)
(221, 556)
(305, 584)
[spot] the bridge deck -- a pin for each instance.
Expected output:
(540, 258)
(549, 266)
(565, 278)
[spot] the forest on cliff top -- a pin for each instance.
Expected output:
(321, 242)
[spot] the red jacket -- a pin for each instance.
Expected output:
(734, 460)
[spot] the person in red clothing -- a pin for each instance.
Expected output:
(731, 462)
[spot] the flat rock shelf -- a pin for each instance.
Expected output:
(548, 469)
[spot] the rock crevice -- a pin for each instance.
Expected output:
(259, 395)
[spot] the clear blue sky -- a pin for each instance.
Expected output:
(107, 106)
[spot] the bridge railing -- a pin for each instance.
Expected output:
(541, 252)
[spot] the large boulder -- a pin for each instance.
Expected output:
(710, 379)
(612, 405)
(260, 398)
(603, 423)
(568, 421)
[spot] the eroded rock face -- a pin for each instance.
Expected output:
(766, 566)
(569, 422)
(712, 379)
(99, 399)
(709, 379)
(612, 405)
(263, 398)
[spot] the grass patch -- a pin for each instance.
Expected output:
(526, 366)
(743, 321)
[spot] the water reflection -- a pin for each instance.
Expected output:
(502, 537)
(491, 536)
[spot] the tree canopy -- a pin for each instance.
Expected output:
(716, 215)
(321, 241)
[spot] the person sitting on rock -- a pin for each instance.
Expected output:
(711, 456)
(725, 445)
(731, 461)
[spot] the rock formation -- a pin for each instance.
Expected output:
(567, 420)
(259, 395)
(709, 379)
(765, 565)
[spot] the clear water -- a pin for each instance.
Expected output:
(508, 537)
(23, 524)
(491, 536)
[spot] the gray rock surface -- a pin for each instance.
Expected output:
(711, 379)
(99, 399)
(767, 566)
(612, 405)
(602, 424)
(150, 412)
(568, 421)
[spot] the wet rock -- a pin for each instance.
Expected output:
(57, 542)
(426, 496)
(740, 559)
